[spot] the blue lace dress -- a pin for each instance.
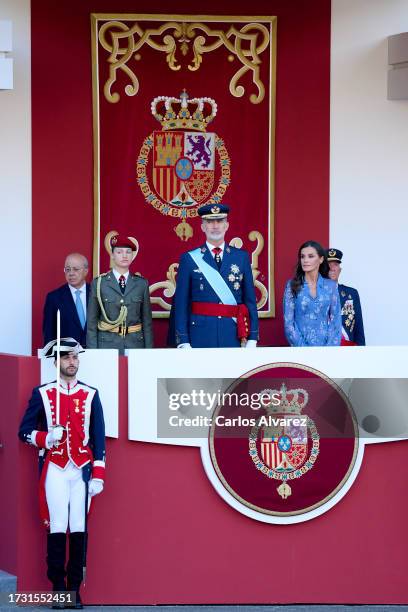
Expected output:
(313, 321)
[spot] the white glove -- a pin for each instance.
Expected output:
(95, 487)
(250, 344)
(186, 345)
(54, 436)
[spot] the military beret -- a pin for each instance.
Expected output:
(122, 241)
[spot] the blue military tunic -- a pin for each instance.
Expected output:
(204, 331)
(351, 316)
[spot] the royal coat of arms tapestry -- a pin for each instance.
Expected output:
(184, 115)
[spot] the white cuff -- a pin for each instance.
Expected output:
(49, 442)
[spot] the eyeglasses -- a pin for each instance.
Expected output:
(68, 270)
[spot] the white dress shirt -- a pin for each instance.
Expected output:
(211, 247)
(119, 274)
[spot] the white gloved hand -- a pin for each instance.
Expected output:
(251, 344)
(95, 487)
(54, 436)
(184, 345)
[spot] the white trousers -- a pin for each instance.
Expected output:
(65, 493)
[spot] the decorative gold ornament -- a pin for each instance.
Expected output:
(184, 230)
(237, 243)
(284, 490)
(168, 286)
(123, 43)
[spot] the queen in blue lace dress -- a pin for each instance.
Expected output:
(311, 304)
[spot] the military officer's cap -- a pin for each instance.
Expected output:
(213, 211)
(334, 255)
(67, 346)
(122, 241)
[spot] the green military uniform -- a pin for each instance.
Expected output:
(119, 320)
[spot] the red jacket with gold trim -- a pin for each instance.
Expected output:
(82, 416)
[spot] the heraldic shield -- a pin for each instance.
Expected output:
(284, 438)
(182, 166)
(290, 446)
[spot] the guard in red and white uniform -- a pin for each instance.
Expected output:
(74, 443)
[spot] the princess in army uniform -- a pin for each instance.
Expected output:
(119, 314)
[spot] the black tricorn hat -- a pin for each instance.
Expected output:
(66, 346)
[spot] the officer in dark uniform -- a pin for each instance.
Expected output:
(215, 303)
(119, 314)
(352, 318)
(68, 425)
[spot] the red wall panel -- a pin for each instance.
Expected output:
(62, 135)
(159, 532)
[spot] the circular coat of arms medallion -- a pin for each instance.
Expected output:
(285, 441)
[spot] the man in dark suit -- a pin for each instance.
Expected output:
(351, 316)
(71, 300)
(215, 303)
(119, 311)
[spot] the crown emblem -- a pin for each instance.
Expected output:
(184, 112)
(332, 253)
(292, 401)
(215, 209)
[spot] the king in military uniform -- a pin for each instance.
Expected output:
(119, 314)
(68, 426)
(351, 316)
(215, 304)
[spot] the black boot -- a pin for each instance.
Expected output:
(77, 555)
(56, 544)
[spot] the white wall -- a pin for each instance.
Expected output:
(15, 188)
(369, 164)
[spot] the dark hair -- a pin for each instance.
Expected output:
(299, 276)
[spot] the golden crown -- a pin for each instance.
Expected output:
(184, 112)
(291, 401)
